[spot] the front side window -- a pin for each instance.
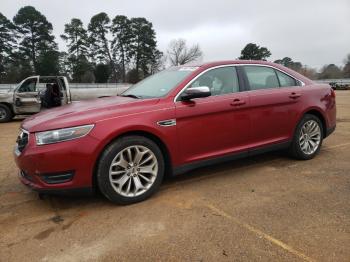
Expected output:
(285, 80)
(160, 84)
(261, 77)
(28, 86)
(219, 80)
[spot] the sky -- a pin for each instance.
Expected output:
(314, 32)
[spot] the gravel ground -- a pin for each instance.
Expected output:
(266, 208)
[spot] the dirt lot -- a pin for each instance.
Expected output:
(266, 208)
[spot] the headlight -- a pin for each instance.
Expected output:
(60, 135)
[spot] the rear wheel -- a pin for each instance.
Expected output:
(308, 138)
(5, 113)
(130, 170)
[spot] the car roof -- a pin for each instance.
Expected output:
(228, 62)
(50, 76)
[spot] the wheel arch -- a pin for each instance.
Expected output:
(11, 111)
(316, 112)
(156, 139)
(8, 105)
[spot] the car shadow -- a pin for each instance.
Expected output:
(225, 168)
(191, 177)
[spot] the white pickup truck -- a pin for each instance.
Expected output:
(27, 97)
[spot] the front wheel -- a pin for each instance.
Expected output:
(307, 138)
(130, 170)
(5, 113)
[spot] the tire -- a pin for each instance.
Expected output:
(5, 113)
(119, 181)
(306, 131)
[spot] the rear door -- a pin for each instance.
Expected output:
(275, 99)
(26, 97)
(216, 125)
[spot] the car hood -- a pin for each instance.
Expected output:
(85, 112)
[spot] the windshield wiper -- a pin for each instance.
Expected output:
(132, 96)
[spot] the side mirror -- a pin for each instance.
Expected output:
(195, 92)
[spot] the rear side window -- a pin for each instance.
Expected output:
(261, 77)
(285, 80)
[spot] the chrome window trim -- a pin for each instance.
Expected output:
(233, 65)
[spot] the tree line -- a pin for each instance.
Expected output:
(107, 50)
(118, 49)
(331, 71)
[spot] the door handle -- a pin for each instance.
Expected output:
(294, 95)
(237, 102)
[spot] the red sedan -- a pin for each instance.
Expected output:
(174, 121)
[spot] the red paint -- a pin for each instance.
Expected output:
(206, 127)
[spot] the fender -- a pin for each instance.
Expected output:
(168, 138)
(317, 109)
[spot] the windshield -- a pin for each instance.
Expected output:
(159, 84)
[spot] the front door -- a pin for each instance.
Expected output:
(26, 97)
(216, 125)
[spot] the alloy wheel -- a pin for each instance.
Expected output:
(310, 137)
(133, 171)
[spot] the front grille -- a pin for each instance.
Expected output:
(22, 140)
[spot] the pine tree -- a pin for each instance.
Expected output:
(36, 38)
(7, 45)
(144, 45)
(121, 43)
(78, 46)
(254, 52)
(77, 38)
(99, 28)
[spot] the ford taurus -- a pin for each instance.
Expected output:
(172, 122)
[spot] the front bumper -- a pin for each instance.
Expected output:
(57, 190)
(330, 130)
(63, 167)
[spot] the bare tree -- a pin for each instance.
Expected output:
(180, 54)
